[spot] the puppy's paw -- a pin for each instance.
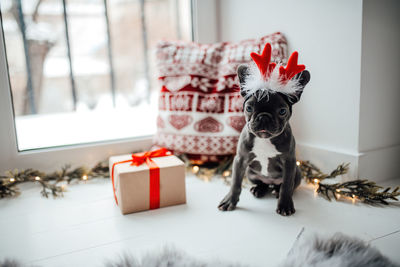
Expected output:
(259, 190)
(228, 203)
(285, 207)
(275, 190)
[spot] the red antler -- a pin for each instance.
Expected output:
(263, 61)
(291, 68)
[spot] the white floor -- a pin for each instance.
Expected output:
(85, 228)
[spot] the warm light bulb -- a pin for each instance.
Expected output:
(195, 169)
(316, 181)
(84, 177)
(226, 173)
(12, 179)
(298, 163)
(37, 178)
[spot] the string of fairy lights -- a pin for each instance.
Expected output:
(55, 183)
(323, 183)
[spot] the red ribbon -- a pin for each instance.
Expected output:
(146, 157)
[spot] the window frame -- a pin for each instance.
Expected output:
(46, 159)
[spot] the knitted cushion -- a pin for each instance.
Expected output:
(200, 107)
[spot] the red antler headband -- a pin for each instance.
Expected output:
(266, 77)
(263, 61)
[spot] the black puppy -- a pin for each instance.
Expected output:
(266, 147)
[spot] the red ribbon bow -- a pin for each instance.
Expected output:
(146, 157)
(140, 158)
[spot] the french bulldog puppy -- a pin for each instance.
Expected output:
(266, 147)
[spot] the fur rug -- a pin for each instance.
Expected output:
(336, 251)
(168, 257)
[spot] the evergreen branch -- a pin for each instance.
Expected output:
(363, 190)
(50, 182)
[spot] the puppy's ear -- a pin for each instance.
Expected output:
(304, 78)
(242, 72)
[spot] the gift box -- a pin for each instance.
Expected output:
(147, 180)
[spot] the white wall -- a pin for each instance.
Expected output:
(327, 35)
(380, 88)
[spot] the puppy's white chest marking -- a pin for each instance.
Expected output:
(264, 150)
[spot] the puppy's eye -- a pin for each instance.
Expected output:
(282, 111)
(249, 109)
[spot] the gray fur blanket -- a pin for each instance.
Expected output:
(336, 251)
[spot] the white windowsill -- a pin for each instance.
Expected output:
(51, 130)
(86, 228)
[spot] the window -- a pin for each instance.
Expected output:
(203, 14)
(83, 71)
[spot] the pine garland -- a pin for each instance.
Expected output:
(311, 172)
(366, 191)
(207, 171)
(54, 184)
(363, 190)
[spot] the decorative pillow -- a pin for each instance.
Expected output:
(200, 107)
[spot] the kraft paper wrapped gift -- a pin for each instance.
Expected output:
(147, 180)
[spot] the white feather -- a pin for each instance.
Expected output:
(256, 85)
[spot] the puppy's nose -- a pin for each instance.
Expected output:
(262, 117)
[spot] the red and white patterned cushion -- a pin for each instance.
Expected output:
(200, 108)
